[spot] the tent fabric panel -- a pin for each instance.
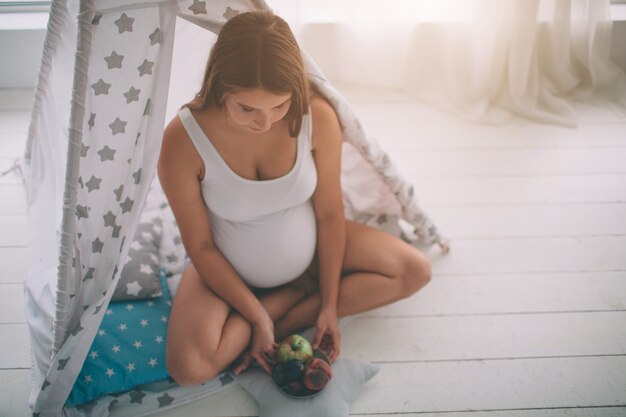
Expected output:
(119, 150)
(393, 194)
(91, 290)
(64, 316)
(43, 167)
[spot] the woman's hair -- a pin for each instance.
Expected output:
(256, 50)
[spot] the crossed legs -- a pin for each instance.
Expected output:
(205, 335)
(378, 269)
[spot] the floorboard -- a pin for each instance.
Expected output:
(532, 255)
(14, 230)
(12, 306)
(14, 200)
(507, 162)
(15, 347)
(460, 295)
(550, 412)
(507, 384)
(12, 265)
(426, 339)
(14, 390)
(410, 132)
(515, 190)
(505, 221)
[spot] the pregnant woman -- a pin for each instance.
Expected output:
(251, 169)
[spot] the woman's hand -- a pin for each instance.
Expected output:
(262, 347)
(327, 334)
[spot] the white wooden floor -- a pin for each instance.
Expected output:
(526, 316)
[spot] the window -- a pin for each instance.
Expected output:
(20, 6)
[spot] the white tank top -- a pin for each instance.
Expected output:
(265, 229)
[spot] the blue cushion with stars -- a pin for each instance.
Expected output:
(128, 350)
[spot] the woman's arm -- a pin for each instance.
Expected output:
(180, 169)
(328, 206)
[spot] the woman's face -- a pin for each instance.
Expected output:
(255, 110)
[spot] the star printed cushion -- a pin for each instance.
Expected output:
(139, 278)
(128, 350)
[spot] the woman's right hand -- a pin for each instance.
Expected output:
(262, 347)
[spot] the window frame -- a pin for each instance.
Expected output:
(25, 6)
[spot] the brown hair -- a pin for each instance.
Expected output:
(256, 50)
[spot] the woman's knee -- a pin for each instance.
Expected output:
(190, 370)
(417, 272)
(192, 362)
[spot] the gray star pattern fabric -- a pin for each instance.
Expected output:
(114, 60)
(132, 95)
(118, 126)
(106, 154)
(155, 37)
(125, 23)
(198, 7)
(93, 183)
(101, 87)
(139, 278)
(145, 68)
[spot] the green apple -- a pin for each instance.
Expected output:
(294, 347)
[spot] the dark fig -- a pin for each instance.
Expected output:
(278, 374)
(294, 370)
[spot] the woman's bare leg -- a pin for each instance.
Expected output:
(205, 335)
(378, 270)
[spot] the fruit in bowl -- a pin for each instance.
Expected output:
(297, 377)
(317, 374)
(294, 347)
(294, 370)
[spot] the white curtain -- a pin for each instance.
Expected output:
(483, 59)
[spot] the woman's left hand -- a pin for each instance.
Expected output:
(327, 334)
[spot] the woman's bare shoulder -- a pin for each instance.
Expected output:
(175, 131)
(326, 125)
(177, 150)
(321, 108)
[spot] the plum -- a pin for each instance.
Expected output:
(294, 370)
(278, 374)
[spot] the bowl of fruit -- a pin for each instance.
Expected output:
(299, 371)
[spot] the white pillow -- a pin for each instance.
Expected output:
(333, 401)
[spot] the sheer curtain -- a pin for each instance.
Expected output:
(482, 59)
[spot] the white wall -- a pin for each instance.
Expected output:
(21, 56)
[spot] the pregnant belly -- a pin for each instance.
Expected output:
(271, 250)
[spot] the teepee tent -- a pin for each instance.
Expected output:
(94, 140)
